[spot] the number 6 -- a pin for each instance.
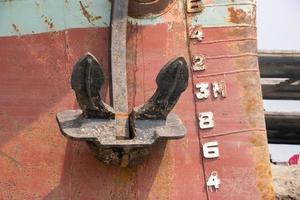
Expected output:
(211, 149)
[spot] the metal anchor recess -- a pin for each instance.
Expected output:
(115, 135)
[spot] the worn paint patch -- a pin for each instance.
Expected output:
(238, 16)
(48, 21)
(16, 29)
(219, 16)
(39, 16)
(262, 165)
(87, 15)
(60, 15)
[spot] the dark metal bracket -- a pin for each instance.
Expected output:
(115, 135)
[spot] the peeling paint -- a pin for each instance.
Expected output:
(48, 21)
(64, 15)
(227, 15)
(16, 29)
(87, 15)
(238, 16)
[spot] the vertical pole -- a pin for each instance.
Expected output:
(118, 66)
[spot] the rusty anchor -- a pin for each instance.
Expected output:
(115, 135)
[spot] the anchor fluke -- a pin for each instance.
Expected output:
(86, 80)
(171, 81)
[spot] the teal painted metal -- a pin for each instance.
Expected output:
(218, 15)
(38, 16)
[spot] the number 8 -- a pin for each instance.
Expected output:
(206, 120)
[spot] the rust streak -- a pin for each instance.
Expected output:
(48, 21)
(16, 29)
(238, 16)
(87, 15)
(10, 158)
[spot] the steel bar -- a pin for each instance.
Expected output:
(282, 96)
(279, 64)
(118, 66)
(286, 88)
(283, 128)
(283, 121)
(281, 91)
(276, 65)
(283, 137)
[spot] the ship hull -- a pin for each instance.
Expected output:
(36, 60)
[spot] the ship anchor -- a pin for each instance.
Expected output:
(116, 135)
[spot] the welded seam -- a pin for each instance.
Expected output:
(229, 26)
(66, 51)
(232, 132)
(232, 56)
(229, 4)
(188, 42)
(228, 72)
(143, 50)
(228, 40)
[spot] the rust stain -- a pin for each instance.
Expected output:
(238, 16)
(262, 165)
(125, 183)
(161, 187)
(16, 29)
(160, 173)
(10, 158)
(87, 15)
(251, 100)
(48, 21)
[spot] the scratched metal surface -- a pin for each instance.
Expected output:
(41, 40)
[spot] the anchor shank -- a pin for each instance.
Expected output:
(118, 66)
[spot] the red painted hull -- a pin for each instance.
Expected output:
(37, 162)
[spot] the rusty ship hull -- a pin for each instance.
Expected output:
(39, 43)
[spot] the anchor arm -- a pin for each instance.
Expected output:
(171, 81)
(86, 80)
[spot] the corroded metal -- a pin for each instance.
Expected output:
(148, 8)
(101, 136)
(118, 67)
(98, 124)
(87, 80)
(171, 81)
(114, 135)
(194, 6)
(31, 145)
(280, 74)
